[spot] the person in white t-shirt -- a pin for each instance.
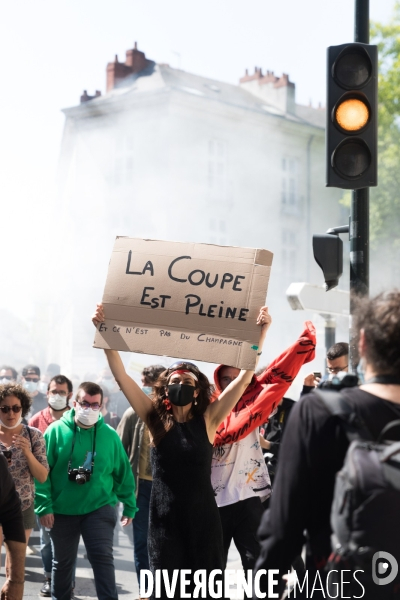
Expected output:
(241, 483)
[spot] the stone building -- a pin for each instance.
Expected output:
(167, 154)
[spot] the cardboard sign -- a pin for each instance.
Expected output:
(191, 301)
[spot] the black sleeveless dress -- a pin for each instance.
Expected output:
(184, 528)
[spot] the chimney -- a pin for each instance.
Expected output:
(277, 91)
(257, 75)
(135, 62)
(85, 96)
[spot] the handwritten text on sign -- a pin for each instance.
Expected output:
(200, 292)
(196, 277)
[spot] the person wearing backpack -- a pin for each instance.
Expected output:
(313, 452)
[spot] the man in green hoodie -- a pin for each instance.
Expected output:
(89, 474)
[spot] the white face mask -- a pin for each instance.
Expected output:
(11, 426)
(87, 416)
(5, 381)
(57, 402)
(31, 386)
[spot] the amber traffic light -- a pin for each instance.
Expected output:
(352, 115)
(351, 129)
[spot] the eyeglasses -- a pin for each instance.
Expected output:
(15, 409)
(336, 370)
(54, 392)
(93, 406)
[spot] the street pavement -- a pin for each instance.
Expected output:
(125, 570)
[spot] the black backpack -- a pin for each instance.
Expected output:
(365, 513)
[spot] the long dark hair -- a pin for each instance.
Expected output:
(161, 418)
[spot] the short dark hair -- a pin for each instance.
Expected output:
(8, 368)
(379, 317)
(31, 368)
(14, 389)
(61, 379)
(152, 373)
(90, 388)
(337, 351)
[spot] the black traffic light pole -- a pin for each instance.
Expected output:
(359, 212)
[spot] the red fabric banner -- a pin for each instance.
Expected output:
(266, 390)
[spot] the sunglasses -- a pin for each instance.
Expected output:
(15, 409)
(8, 377)
(336, 370)
(31, 378)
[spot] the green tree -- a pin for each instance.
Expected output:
(385, 199)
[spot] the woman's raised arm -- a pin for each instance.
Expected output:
(139, 401)
(218, 410)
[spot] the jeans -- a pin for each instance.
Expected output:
(47, 552)
(45, 549)
(97, 530)
(141, 526)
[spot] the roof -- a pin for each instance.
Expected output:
(158, 77)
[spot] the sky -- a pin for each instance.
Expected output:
(51, 50)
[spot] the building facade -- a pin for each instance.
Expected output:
(167, 154)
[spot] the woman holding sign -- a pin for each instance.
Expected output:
(184, 530)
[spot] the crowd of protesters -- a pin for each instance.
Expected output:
(187, 462)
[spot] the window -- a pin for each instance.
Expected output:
(290, 196)
(289, 255)
(218, 232)
(217, 169)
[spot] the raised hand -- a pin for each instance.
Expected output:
(98, 315)
(264, 318)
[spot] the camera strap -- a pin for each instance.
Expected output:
(73, 445)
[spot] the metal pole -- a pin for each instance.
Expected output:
(359, 212)
(361, 21)
(330, 334)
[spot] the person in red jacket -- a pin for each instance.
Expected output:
(239, 475)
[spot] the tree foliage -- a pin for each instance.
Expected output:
(385, 199)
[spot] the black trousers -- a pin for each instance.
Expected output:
(240, 522)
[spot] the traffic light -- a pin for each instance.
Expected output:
(351, 127)
(328, 253)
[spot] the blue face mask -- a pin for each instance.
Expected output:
(147, 389)
(31, 386)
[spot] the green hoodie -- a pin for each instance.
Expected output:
(110, 482)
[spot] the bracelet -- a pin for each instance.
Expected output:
(259, 353)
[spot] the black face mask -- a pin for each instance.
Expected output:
(181, 394)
